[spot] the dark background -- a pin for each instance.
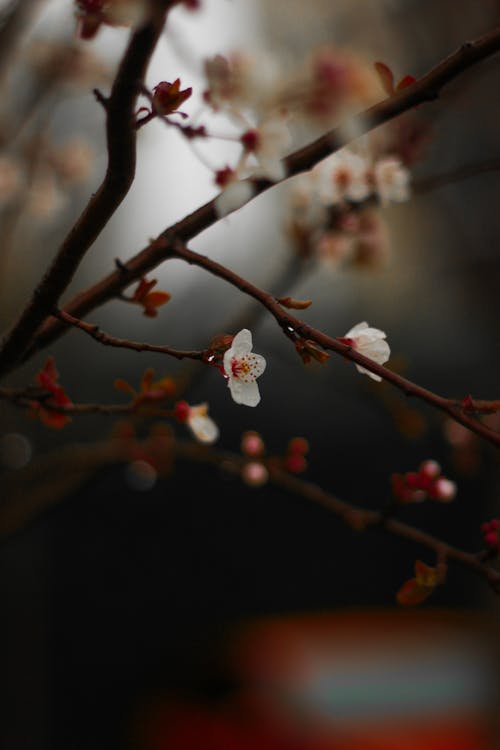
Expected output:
(114, 594)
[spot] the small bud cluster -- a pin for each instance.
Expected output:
(427, 482)
(254, 471)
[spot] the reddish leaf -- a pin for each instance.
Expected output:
(405, 81)
(411, 594)
(386, 77)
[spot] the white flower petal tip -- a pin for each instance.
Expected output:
(242, 368)
(371, 343)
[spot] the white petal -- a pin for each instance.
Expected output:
(356, 329)
(379, 351)
(244, 393)
(371, 375)
(257, 364)
(242, 343)
(204, 428)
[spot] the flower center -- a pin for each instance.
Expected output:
(244, 369)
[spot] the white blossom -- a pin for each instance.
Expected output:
(242, 368)
(272, 140)
(391, 180)
(371, 343)
(342, 176)
(201, 425)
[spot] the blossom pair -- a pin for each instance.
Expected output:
(242, 367)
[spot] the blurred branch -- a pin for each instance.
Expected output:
(13, 23)
(26, 497)
(121, 142)
(28, 397)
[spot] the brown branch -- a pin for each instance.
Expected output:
(27, 397)
(13, 24)
(424, 90)
(121, 143)
(296, 330)
(139, 346)
(81, 460)
(359, 518)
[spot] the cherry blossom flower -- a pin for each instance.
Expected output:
(370, 342)
(201, 425)
(342, 176)
(391, 180)
(196, 417)
(268, 143)
(242, 368)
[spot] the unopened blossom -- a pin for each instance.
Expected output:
(427, 482)
(371, 343)
(242, 368)
(491, 534)
(269, 142)
(168, 97)
(252, 443)
(343, 176)
(254, 473)
(391, 180)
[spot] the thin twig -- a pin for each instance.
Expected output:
(139, 346)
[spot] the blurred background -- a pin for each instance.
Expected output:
(187, 609)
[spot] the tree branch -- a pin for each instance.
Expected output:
(121, 143)
(296, 330)
(21, 508)
(424, 90)
(138, 346)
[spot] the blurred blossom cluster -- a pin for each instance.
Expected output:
(44, 159)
